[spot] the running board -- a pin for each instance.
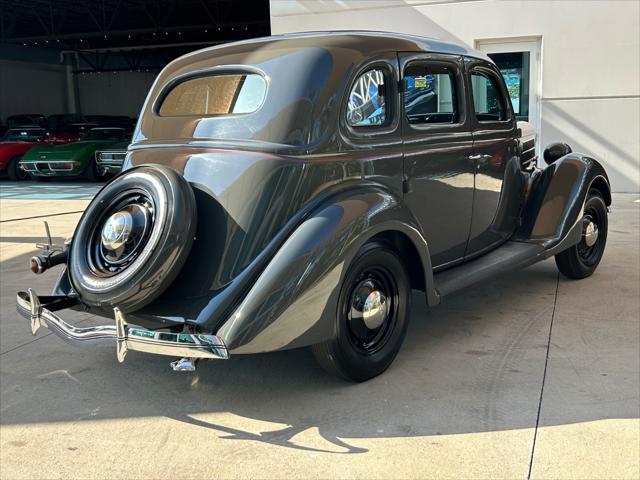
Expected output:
(510, 256)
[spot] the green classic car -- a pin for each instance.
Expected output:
(73, 159)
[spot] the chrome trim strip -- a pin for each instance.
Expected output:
(124, 337)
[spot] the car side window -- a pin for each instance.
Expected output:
(487, 98)
(430, 94)
(366, 105)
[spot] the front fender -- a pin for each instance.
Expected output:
(557, 196)
(293, 302)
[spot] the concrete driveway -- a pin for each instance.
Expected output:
(529, 376)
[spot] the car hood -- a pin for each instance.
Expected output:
(66, 151)
(9, 149)
(117, 147)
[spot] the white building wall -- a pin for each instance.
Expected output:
(590, 59)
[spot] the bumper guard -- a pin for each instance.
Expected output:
(125, 338)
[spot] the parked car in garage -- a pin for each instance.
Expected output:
(289, 191)
(69, 133)
(72, 159)
(27, 120)
(109, 160)
(14, 144)
(120, 121)
(57, 120)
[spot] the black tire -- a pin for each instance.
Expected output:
(581, 260)
(14, 171)
(358, 353)
(161, 206)
(92, 172)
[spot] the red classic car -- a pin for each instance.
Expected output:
(68, 133)
(15, 143)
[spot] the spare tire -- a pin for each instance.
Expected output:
(133, 238)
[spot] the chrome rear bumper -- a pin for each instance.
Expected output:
(121, 335)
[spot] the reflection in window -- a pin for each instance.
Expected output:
(486, 98)
(429, 95)
(366, 105)
(215, 95)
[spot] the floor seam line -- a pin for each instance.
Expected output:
(40, 216)
(544, 377)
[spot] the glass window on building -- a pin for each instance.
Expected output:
(514, 67)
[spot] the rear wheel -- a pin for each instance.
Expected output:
(14, 171)
(581, 260)
(371, 318)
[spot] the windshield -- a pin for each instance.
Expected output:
(221, 94)
(24, 135)
(115, 134)
(73, 128)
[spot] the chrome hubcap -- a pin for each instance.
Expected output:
(369, 311)
(590, 233)
(116, 230)
(123, 233)
(374, 310)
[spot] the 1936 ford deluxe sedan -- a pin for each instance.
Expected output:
(291, 191)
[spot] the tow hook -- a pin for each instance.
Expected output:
(185, 364)
(51, 256)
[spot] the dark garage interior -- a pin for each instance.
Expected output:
(99, 58)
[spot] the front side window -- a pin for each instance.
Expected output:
(429, 95)
(221, 94)
(366, 106)
(487, 98)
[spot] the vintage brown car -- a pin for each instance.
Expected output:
(291, 191)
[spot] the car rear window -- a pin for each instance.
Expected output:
(221, 94)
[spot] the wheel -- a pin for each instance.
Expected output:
(371, 318)
(133, 238)
(581, 260)
(14, 171)
(92, 172)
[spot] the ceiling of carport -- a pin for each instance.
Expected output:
(130, 34)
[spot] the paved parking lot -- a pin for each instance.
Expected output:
(531, 375)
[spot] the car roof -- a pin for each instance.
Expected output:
(307, 75)
(365, 40)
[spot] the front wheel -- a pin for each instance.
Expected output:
(92, 172)
(581, 260)
(14, 171)
(371, 318)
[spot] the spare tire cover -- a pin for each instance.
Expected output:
(133, 238)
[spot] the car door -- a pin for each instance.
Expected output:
(437, 147)
(499, 183)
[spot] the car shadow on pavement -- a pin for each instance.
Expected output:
(473, 364)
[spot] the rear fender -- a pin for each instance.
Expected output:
(293, 302)
(555, 203)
